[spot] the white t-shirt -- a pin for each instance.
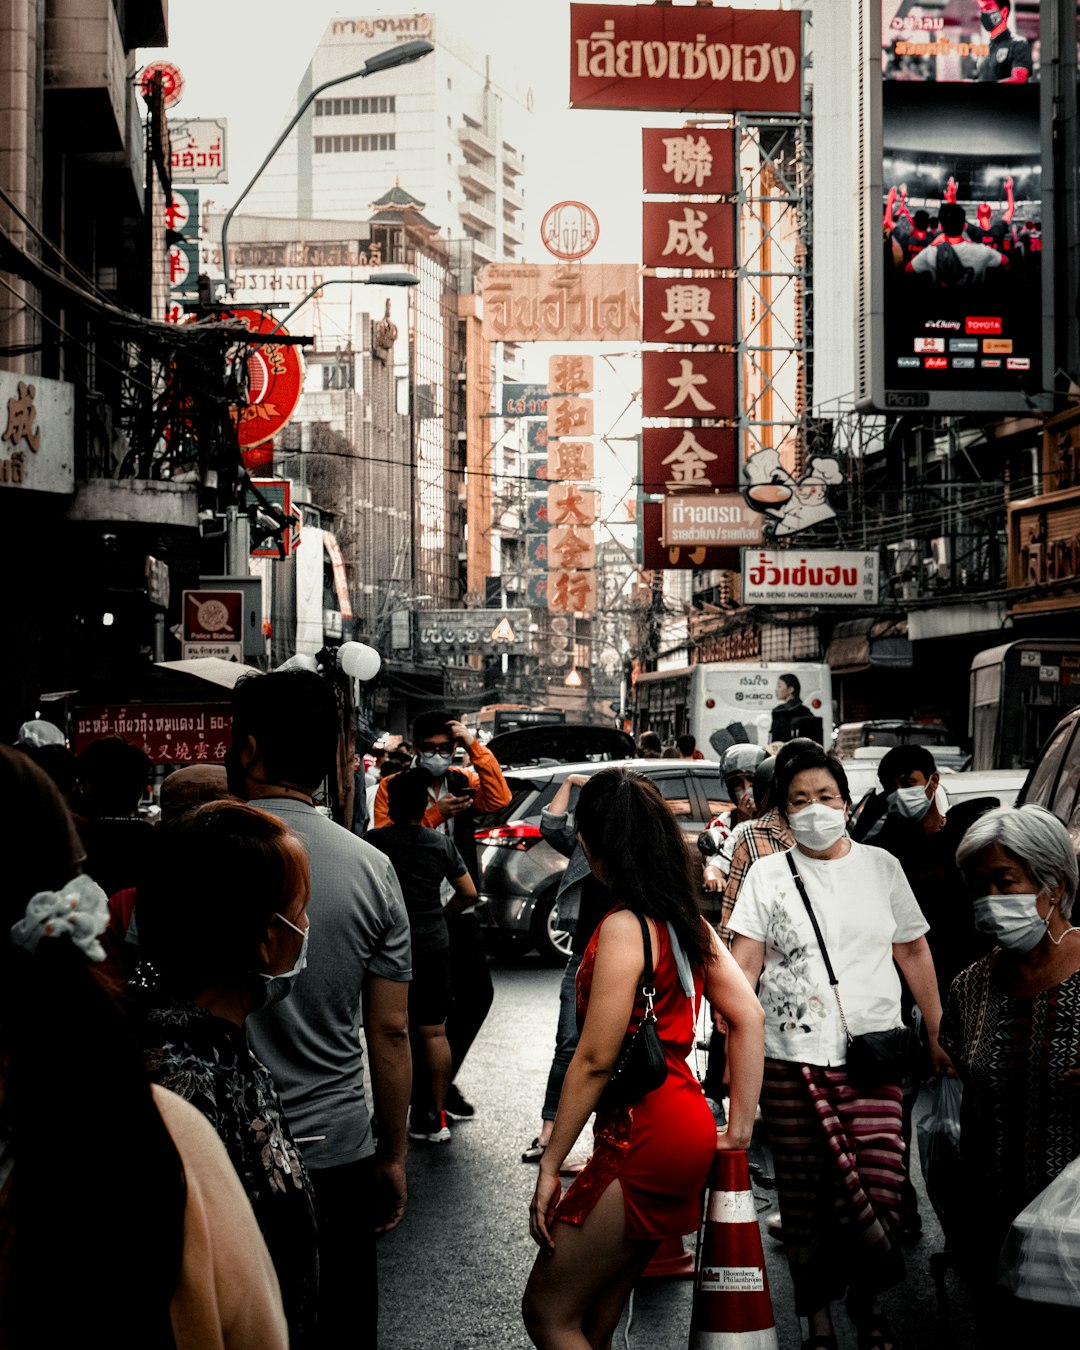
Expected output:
(863, 904)
(978, 258)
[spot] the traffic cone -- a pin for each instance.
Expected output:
(732, 1308)
(670, 1260)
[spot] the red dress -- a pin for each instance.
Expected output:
(660, 1148)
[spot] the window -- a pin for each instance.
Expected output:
(1042, 780)
(355, 107)
(382, 140)
(676, 792)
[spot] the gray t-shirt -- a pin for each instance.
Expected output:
(310, 1041)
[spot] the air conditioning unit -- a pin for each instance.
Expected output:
(939, 563)
(906, 556)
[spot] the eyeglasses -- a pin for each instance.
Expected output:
(832, 799)
(434, 747)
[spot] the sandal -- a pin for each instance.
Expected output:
(534, 1152)
(873, 1332)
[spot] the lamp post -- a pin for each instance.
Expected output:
(375, 279)
(394, 56)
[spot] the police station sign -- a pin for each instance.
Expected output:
(820, 577)
(37, 433)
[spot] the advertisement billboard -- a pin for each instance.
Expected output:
(821, 577)
(961, 188)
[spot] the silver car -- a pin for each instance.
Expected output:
(519, 871)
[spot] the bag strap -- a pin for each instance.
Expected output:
(648, 989)
(833, 981)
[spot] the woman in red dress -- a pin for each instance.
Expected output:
(651, 1159)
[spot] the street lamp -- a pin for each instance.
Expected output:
(376, 279)
(393, 56)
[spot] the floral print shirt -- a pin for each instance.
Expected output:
(207, 1061)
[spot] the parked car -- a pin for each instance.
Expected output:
(560, 744)
(519, 871)
(1054, 779)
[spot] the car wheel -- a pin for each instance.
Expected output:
(551, 941)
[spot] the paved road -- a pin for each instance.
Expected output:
(452, 1274)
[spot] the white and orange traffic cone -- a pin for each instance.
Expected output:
(732, 1308)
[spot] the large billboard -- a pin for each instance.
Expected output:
(960, 186)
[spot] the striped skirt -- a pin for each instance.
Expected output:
(838, 1152)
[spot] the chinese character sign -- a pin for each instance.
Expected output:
(568, 504)
(571, 592)
(570, 461)
(688, 459)
(570, 417)
(688, 160)
(571, 546)
(688, 310)
(699, 384)
(37, 434)
(570, 374)
(688, 234)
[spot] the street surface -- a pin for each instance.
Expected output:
(451, 1275)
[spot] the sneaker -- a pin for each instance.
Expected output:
(431, 1127)
(457, 1108)
(719, 1115)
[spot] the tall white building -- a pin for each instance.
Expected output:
(441, 126)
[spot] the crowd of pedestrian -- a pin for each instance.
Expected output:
(250, 1008)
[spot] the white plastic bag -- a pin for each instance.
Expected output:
(939, 1148)
(1040, 1259)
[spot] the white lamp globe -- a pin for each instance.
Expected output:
(359, 661)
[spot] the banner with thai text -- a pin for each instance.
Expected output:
(819, 577)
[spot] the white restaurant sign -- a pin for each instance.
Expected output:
(199, 150)
(37, 433)
(793, 577)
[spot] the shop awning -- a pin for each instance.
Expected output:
(211, 669)
(859, 644)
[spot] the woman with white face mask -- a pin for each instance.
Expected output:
(1012, 1024)
(838, 1146)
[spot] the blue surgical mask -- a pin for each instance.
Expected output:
(910, 803)
(436, 765)
(1013, 920)
(280, 986)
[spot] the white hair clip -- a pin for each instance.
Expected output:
(80, 911)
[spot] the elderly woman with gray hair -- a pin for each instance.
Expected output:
(1012, 1024)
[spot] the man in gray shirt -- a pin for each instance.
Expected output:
(285, 728)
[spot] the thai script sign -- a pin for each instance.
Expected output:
(487, 630)
(681, 58)
(183, 733)
(199, 149)
(524, 400)
(723, 521)
(411, 26)
(688, 160)
(822, 577)
(571, 302)
(37, 433)
(655, 554)
(688, 384)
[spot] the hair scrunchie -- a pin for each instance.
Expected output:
(80, 911)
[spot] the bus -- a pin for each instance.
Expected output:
(494, 718)
(721, 703)
(1019, 693)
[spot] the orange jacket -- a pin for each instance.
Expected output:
(485, 775)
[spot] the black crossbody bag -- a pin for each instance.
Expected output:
(642, 1064)
(875, 1057)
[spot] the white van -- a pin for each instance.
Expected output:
(723, 702)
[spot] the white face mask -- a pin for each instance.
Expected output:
(910, 803)
(1013, 920)
(436, 765)
(279, 986)
(817, 826)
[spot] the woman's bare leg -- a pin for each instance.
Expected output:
(437, 1057)
(574, 1297)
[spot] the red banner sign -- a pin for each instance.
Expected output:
(654, 555)
(182, 733)
(688, 159)
(688, 384)
(687, 234)
(688, 459)
(275, 381)
(687, 59)
(688, 309)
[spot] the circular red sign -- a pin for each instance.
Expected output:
(172, 82)
(275, 381)
(569, 230)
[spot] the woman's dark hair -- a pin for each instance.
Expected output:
(73, 1078)
(630, 830)
(434, 723)
(247, 874)
(792, 682)
(407, 795)
(806, 756)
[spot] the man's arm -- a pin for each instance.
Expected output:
(386, 1029)
(381, 808)
(492, 791)
(1010, 202)
(554, 825)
